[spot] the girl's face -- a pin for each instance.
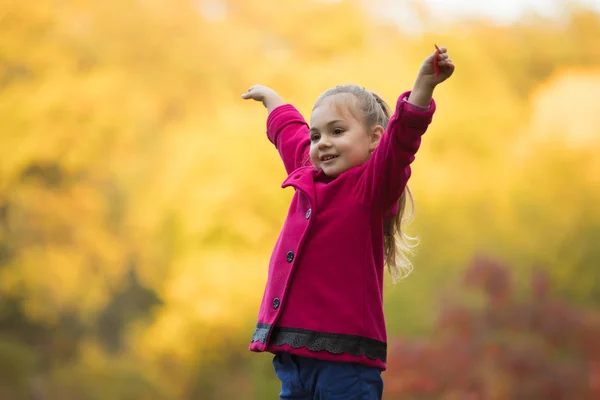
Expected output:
(338, 139)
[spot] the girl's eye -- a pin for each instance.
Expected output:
(314, 138)
(338, 131)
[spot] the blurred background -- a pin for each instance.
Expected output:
(140, 198)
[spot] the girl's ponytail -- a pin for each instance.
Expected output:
(398, 244)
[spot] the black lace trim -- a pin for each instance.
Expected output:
(334, 343)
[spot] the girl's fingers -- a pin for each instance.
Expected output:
(252, 93)
(247, 94)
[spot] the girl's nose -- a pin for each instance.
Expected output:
(324, 143)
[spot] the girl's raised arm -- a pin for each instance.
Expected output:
(286, 128)
(388, 170)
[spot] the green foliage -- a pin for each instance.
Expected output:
(17, 369)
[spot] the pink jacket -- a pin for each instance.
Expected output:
(324, 292)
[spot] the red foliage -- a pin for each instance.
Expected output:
(511, 348)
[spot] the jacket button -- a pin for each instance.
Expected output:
(308, 214)
(276, 303)
(290, 256)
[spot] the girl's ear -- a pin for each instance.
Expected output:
(376, 134)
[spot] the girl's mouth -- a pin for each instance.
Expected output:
(328, 158)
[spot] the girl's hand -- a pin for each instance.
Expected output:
(427, 79)
(264, 94)
(427, 74)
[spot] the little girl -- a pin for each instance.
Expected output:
(322, 309)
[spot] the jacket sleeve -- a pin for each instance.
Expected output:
(289, 132)
(387, 172)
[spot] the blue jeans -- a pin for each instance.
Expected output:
(304, 378)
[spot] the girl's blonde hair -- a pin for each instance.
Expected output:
(398, 245)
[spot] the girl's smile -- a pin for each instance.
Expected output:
(328, 159)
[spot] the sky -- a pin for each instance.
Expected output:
(503, 11)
